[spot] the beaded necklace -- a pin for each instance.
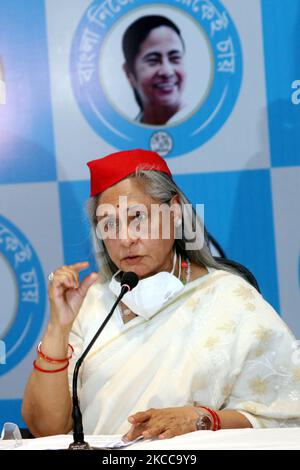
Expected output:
(186, 265)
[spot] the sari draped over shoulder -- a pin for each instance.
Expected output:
(218, 343)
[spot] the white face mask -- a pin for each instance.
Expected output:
(151, 293)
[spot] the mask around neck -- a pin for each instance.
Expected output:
(150, 294)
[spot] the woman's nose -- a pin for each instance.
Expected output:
(128, 236)
(166, 68)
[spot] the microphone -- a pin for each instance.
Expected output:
(128, 282)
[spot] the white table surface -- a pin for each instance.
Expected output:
(261, 439)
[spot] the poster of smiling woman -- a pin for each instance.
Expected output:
(153, 71)
(159, 69)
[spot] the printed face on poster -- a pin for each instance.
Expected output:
(145, 73)
(93, 102)
(162, 63)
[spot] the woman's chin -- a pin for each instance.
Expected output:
(171, 99)
(139, 271)
(168, 104)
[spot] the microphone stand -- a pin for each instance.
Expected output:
(78, 434)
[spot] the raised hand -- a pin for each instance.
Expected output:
(66, 294)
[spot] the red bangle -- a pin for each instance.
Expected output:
(215, 416)
(218, 421)
(49, 371)
(51, 359)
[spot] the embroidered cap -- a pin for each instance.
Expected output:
(109, 170)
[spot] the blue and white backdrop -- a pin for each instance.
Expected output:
(65, 100)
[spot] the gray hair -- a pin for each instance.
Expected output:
(161, 188)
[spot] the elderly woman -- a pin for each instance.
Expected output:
(193, 346)
(154, 65)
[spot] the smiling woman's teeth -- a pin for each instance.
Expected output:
(165, 85)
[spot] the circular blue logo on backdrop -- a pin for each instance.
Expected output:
(24, 280)
(163, 75)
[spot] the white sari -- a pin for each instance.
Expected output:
(218, 343)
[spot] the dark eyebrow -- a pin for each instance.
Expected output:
(157, 55)
(152, 55)
(175, 51)
(100, 217)
(132, 208)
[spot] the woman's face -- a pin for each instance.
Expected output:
(136, 239)
(159, 75)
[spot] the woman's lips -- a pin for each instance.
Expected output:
(131, 260)
(167, 87)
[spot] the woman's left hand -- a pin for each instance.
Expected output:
(162, 423)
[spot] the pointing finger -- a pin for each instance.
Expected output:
(79, 266)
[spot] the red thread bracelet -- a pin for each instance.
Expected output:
(49, 371)
(51, 359)
(215, 416)
(218, 421)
